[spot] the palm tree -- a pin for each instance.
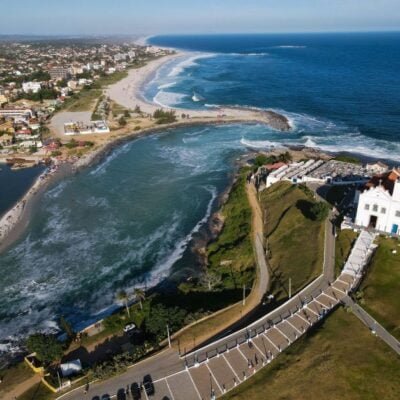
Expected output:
(140, 295)
(123, 296)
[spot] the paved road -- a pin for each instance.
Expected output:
(218, 367)
(372, 324)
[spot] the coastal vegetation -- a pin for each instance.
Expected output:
(47, 348)
(164, 117)
(294, 231)
(231, 263)
(348, 158)
(341, 355)
(344, 242)
(379, 292)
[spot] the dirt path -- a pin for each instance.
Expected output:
(22, 388)
(258, 242)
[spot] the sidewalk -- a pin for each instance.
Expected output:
(372, 324)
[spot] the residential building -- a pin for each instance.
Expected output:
(32, 87)
(379, 203)
(58, 73)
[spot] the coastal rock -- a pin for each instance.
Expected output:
(277, 121)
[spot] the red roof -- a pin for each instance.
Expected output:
(386, 180)
(273, 166)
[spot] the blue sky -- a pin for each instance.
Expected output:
(195, 16)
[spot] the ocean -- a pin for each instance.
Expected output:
(341, 91)
(130, 220)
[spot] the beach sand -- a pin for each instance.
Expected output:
(128, 93)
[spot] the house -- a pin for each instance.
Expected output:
(379, 203)
(31, 87)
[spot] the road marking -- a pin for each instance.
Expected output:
(240, 351)
(269, 340)
(145, 394)
(344, 282)
(299, 315)
(293, 326)
(309, 309)
(324, 307)
(170, 391)
(169, 376)
(255, 345)
(195, 387)
(341, 291)
(287, 338)
(230, 366)
(215, 379)
(332, 298)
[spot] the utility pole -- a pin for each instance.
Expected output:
(169, 337)
(244, 295)
(290, 288)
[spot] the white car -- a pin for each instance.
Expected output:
(129, 327)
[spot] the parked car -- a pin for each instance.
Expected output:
(105, 397)
(129, 327)
(148, 385)
(135, 390)
(96, 398)
(121, 394)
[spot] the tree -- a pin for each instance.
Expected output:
(47, 348)
(285, 157)
(140, 294)
(319, 211)
(127, 114)
(122, 121)
(260, 160)
(123, 296)
(67, 328)
(137, 110)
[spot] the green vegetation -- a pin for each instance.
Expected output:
(380, 289)
(319, 211)
(164, 117)
(295, 239)
(344, 243)
(47, 348)
(231, 261)
(83, 101)
(348, 159)
(122, 121)
(340, 360)
(262, 159)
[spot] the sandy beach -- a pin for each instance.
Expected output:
(128, 93)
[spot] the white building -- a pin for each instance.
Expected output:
(33, 87)
(379, 203)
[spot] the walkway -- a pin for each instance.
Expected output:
(372, 324)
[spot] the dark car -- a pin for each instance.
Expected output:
(105, 397)
(148, 385)
(121, 394)
(135, 390)
(165, 398)
(96, 398)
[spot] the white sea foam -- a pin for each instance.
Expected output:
(101, 168)
(163, 268)
(168, 99)
(167, 85)
(260, 144)
(189, 62)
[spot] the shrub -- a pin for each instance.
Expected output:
(47, 348)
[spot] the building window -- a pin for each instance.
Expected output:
(375, 207)
(367, 207)
(397, 213)
(383, 210)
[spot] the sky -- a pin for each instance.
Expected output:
(148, 17)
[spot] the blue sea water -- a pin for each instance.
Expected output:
(130, 220)
(342, 91)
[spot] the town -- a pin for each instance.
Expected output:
(39, 79)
